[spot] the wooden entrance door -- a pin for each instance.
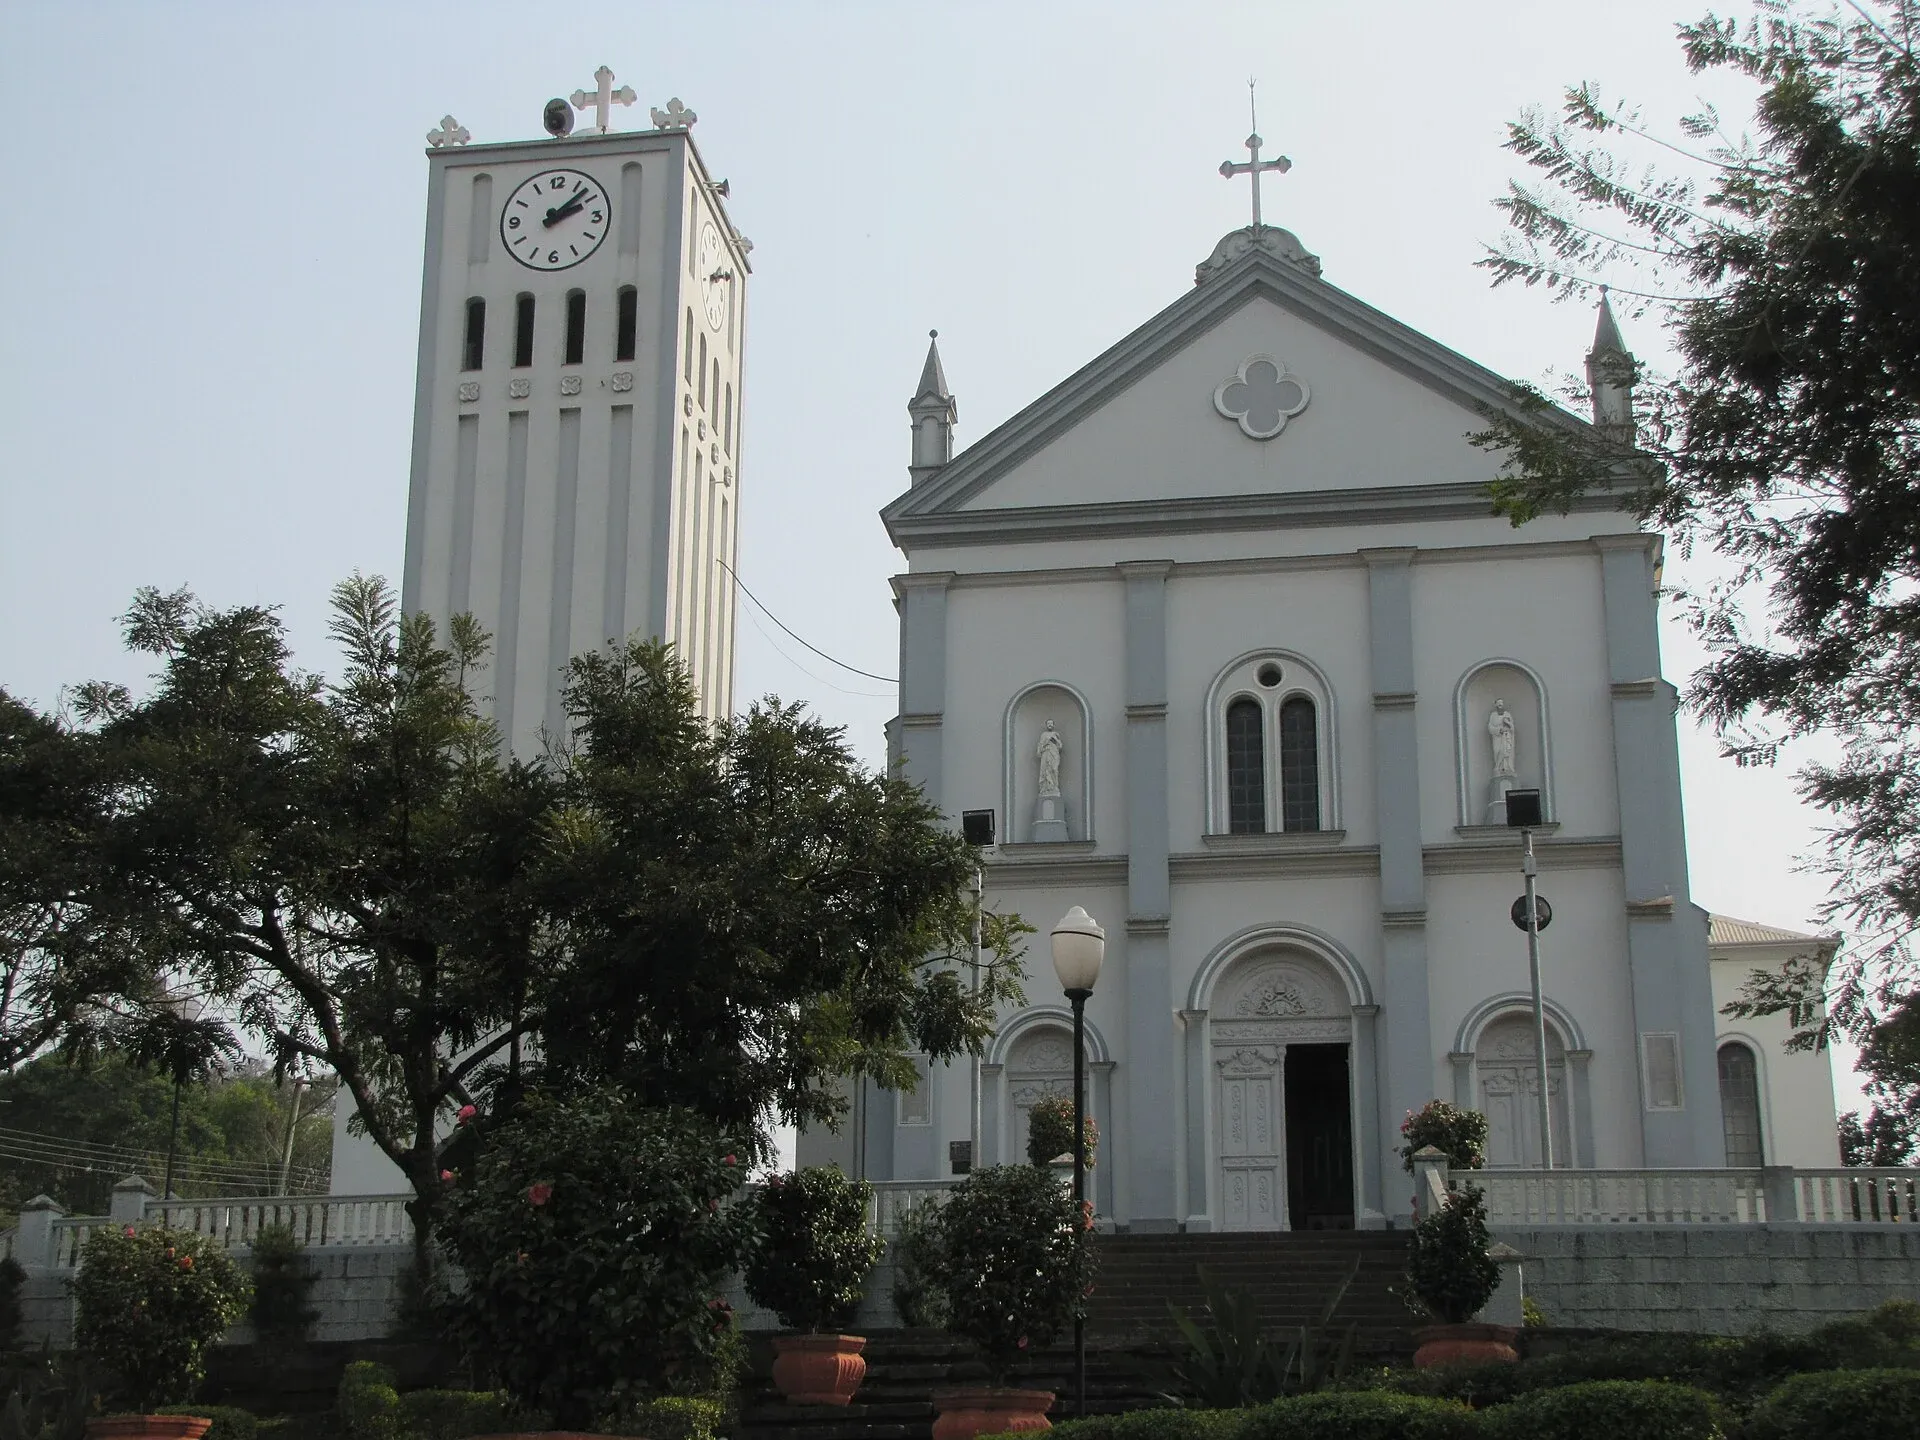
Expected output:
(1252, 1173)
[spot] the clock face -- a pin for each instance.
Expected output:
(554, 219)
(714, 275)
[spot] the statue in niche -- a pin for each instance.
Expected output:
(1049, 807)
(1048, 753)
(1500, 730)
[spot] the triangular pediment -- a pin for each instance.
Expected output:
(1264, 391)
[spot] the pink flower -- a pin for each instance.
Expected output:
(128, 1232)
(539, 1192)
(186, 1262)
(1023, 1342)
(467, 1112)
(446, 1177)
(730, 1160)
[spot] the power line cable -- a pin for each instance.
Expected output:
(883, 679)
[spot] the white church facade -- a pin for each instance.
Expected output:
(1222, 629)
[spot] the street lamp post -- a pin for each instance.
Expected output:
(1079, 945)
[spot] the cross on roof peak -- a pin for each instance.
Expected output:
(603, 98)
(1253, 166)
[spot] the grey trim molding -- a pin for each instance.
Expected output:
(1510, 1002)
(1360, 505)
(1278, 842)
(1053, 1017)
(1656, 909)
(1064, 870)
(1502, 834)
(1578, 853)
(1395, 700)
(1649, 686)
(1157, 710)
(1356, 860)
(1149, 924)
(1460, 766)
(1404, 919)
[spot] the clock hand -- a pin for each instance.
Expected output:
(561, 212)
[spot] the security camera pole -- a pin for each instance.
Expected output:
(1523, 813)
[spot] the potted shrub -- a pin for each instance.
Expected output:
(1011, 1258)
(596, 1237)
(149, 1303)
(1050, 1131)
(1452, 1276)
(810, 1269)
(1460, 1135)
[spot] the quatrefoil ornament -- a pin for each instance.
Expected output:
(1262, 396)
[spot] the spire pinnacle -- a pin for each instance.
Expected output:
(1606, 331)
(933, 376)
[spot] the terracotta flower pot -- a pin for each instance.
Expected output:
(1464, 1344)
(964, 1414)
(818, 1369)
(148, 1427)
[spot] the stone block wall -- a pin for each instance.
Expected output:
(1715, 1279)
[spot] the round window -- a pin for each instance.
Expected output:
(1269, 675)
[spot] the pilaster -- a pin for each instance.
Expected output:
(922, 601)
(1666, 935)
(1404, 1044)
(1148, 1082)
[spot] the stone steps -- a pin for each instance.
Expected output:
(1132, 1342)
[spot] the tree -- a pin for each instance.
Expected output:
(725, 917)
(64, 968)
(1786, 262)
(188, 1050)
(340, 866)
(743, 913)
(1890, 1060)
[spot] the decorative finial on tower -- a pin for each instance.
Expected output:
(603, 98)
(451, 132)
(675, 117)
(1611, 371)
(933, 414)
(1253, 167)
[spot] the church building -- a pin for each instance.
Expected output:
(1223, 631)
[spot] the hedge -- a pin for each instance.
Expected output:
(1161, 1424)
(1839, 1405)
(1359, 1415)
(1607, 1410)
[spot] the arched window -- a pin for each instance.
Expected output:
(576, 327)
(729, 417)
(1271, 748)
(716, 388)
(1246, 769)
(686, 358)
(1740, 1105)
(523, 330)
(703, 372)
(627, 330)
(473, 349)
(1299, 765)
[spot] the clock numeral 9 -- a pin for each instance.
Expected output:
(513, 222)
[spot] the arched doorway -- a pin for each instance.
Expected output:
(1281, 1034)
(1039, 1067)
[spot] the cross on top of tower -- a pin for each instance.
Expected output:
(1255, 165)
(603, 99)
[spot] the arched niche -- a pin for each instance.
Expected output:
(1070, 815)
(1496, 1072)
(1474, 698)
(1031, 1057)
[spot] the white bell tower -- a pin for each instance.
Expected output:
(576, 439)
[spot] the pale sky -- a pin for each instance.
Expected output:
(210, 273)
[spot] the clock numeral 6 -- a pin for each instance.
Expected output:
(553, 257)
